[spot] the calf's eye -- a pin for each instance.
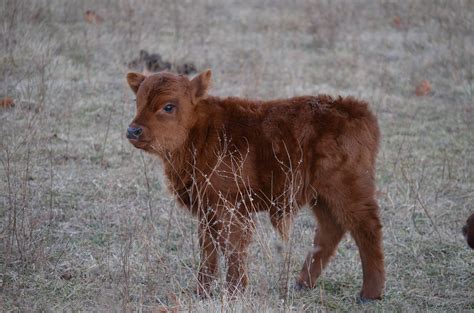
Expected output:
(168, 108)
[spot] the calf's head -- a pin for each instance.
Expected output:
(166, 105)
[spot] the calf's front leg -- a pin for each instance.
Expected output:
(234, 240)
(209, 257)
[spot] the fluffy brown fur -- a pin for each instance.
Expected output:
(226, 158)
(468, 231)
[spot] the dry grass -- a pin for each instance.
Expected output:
(86, 219)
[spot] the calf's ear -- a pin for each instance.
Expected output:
(200, 85)
(134, 80)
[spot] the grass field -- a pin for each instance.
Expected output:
(86, 221)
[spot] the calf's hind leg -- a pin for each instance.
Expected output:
(367, 233)
(363, 222)
(328, 234)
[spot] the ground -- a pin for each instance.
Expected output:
(85, 218)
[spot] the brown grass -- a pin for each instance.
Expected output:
(85, 218)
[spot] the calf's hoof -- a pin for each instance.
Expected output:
(202, 292)
(300, 286)
(361, 299)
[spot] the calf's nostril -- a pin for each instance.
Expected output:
(137, 132)
(134, 132)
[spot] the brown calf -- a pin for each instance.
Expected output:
(226, 158)
(468, 231)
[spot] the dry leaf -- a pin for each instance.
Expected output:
(6, 102)
(397, 22)
(423, 88)
(92, 17)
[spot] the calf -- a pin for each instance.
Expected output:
(468, 231)
(227, 158)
